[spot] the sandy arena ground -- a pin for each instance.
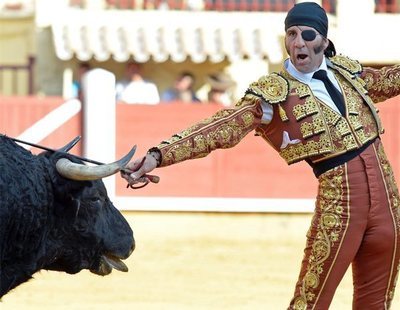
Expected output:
(190, 261)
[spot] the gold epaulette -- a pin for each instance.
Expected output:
(271, 88)
(344, 62)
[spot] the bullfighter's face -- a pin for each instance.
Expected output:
(305, 47)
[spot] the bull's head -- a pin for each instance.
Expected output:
(57, 218)
(95, 234)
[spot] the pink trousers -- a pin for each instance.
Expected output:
(356, 221)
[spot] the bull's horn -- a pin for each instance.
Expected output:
(81, 172)
(70, 145)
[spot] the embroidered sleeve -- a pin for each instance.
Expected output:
(224, 129)
(382, 83)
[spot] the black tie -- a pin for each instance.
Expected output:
(332, 90)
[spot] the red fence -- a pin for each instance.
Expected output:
(381, 6)
(18, 113)
(387, 6)
(209, 5)
(251, 169)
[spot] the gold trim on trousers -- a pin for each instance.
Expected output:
(356, 221)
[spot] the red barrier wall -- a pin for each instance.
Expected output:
(19, 113)
(251, 169)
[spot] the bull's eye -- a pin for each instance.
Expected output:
(95, 202)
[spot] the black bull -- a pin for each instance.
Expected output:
(51, 219)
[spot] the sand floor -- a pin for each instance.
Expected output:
(190, 261)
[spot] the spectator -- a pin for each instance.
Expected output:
(220, 87)
(136, 89)
(182, 90)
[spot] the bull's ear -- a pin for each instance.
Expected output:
(70, 144)
(63, 149)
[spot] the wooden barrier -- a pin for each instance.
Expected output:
(17, 113)
(249, 170)
(252, 169)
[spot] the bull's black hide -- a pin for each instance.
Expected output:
(50, 222)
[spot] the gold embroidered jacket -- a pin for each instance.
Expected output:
(315, 131)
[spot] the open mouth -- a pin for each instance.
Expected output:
(108, 262)
(301, 56)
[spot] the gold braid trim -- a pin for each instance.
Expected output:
(271, 88)
(392, 193)
(327, 229)
(382, 84)
(344, 62)
(349, 69)
(224, 129)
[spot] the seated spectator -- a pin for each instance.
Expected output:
(182, 90)
(220, 89)
(135, 89)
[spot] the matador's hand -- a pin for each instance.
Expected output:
(136, 171)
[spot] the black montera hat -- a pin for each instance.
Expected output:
(312, 15)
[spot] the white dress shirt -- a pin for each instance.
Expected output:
(317, 87)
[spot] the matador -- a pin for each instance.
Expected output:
(321, 108)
